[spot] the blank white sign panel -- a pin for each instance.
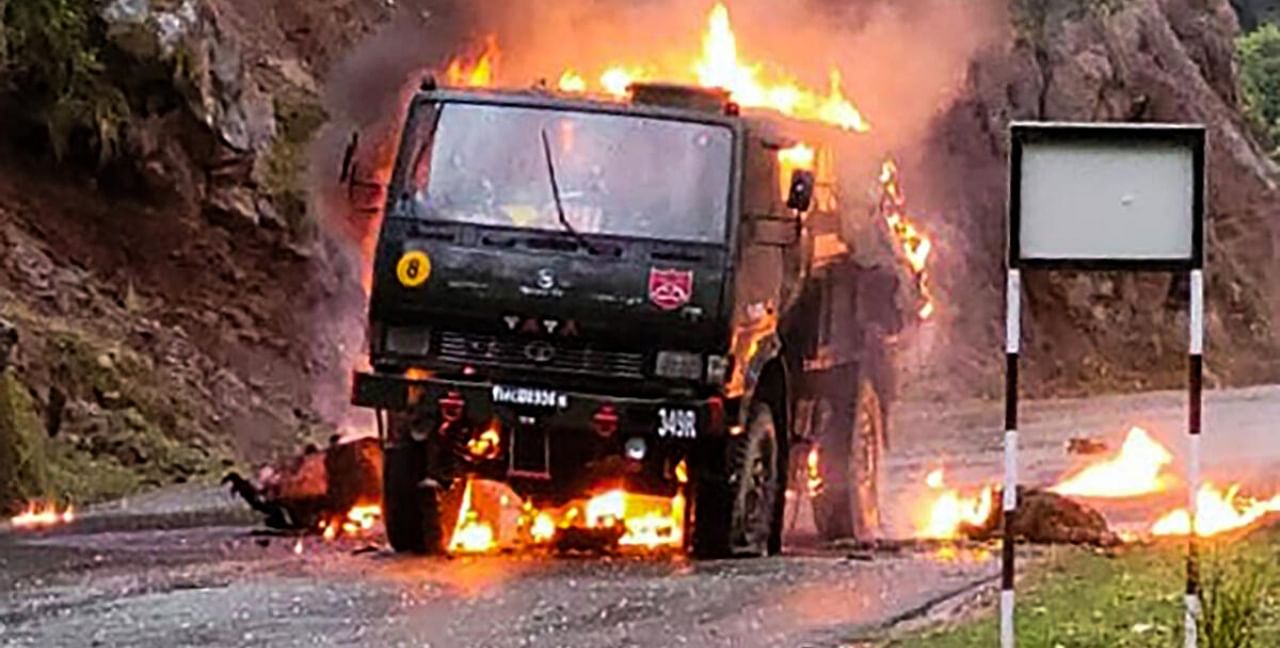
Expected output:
(1085, 199)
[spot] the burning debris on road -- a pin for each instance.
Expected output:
(1138, 474)
(337, 493)
(335, 490)
(41, 515)
(1045, 517)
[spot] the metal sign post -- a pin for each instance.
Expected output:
(1104, 197)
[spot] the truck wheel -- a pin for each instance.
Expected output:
(410, 512)
(849, 464)
(736, 499)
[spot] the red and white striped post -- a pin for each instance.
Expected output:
(1009, 504)
(1127, 197)
(1195, 407)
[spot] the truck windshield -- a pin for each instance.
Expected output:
(618, 175)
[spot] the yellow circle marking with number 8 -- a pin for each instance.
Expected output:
(414, 269)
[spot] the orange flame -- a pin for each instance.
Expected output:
(478, 73)
(471, 534)
(42, 514)
(1135, 470)
(1216, 512)
(916, 247)
(812, 462)
(571, 81)
(358, 521)
(950, 510)
(648, 521)
(543, 528)
(719, 65)
(486, 446)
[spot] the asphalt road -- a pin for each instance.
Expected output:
(181, 567)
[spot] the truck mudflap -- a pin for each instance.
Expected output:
(670, 420)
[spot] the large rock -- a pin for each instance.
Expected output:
(219, 93)
(1047, 518)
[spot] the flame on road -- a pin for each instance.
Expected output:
(470, 533)
(950, 510)
(638, 520)
(358, 521)
(647, 521)
(1216, 512)
(42, 514)
(1136, 470)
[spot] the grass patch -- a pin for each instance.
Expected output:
(1079, 599)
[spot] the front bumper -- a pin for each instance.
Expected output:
(663, 419)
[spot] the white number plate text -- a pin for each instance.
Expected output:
(677, 423)
(529, 396)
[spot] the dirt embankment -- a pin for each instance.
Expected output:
(176, 306)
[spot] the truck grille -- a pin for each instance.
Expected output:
(547, 355)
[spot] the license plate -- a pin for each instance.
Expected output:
(530, 397)
(677, 423)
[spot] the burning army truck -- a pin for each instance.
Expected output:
(654, 296)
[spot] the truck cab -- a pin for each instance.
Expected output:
(573, 294)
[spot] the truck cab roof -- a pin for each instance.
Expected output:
(659, 100)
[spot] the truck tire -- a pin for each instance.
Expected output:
(736, 506)
(851, 448)
(410, 512)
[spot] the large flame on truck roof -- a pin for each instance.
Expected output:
(718, 64)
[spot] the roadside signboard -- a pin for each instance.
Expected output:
(1104, 197)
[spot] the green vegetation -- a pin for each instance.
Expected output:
(1082, 599)
(1258, 53)
(23, 466)
(1234, 593)
(299, 120)
(53, 54)
(125, 428)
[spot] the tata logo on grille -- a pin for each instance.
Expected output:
(539, 352)
(670, 289)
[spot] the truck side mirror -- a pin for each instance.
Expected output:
(802, 185)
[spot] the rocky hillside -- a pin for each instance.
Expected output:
(176, 307)
(1111, 60)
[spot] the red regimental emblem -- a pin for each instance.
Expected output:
(670, 289)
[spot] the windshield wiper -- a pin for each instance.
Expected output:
(555, 193)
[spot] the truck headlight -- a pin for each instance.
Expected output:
(407, 341)
(679, 364)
